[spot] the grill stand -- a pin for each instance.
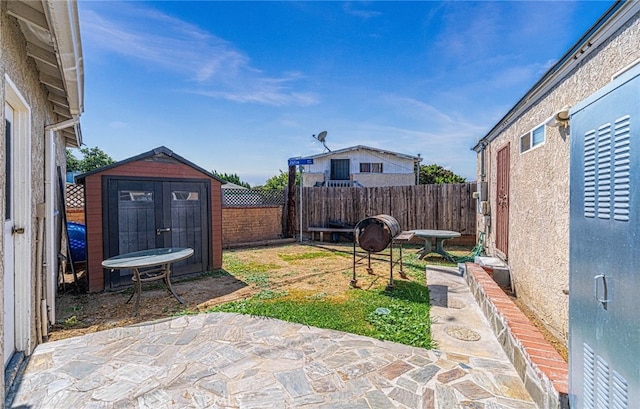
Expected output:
(397, 241)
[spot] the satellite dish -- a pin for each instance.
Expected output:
(322, 137)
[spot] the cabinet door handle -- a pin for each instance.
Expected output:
(17, 230)
(165, 230)
(605, 291)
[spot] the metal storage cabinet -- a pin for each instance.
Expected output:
(604, 300)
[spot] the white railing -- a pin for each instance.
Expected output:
(343, 183)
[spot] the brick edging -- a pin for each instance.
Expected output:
(544, 372)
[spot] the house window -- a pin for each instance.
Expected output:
(371, 168)
(533, 138)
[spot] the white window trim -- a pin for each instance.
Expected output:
(530, 133)
(22, 215)
(371, 166)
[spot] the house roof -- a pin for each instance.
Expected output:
(612, 19)
(230, 185)
(162, 150)
(52, 32)
(362, 147)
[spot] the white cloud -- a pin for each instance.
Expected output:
(217, 68)
(268, 91)
(118, 125)
(349, 8)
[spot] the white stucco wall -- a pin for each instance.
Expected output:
(396, 171)
(539, 184)
(22, 71)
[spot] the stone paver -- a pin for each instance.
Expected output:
(235, 361)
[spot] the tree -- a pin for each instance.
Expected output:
(73, 164)
(231, 178)
(280, 181)
(436, 174)
(92, 158)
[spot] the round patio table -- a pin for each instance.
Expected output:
(439, 235)
(155, 265)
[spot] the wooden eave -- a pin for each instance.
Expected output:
(51, 28)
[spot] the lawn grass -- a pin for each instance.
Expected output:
(399, 314)
(407, 320)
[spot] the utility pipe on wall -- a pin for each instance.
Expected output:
(40, 318)
(50, 253)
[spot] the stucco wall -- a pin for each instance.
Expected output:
(539, 184)
(396, 171)
(385, 179)
(22, 71)
(366, 179)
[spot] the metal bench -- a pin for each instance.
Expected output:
(323, 230)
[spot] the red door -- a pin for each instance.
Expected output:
(502, 201)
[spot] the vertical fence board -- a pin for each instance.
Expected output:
(443, 207)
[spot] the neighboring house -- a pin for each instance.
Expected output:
(523, 165)
(42, 90)
(361, 166)
(230, 185)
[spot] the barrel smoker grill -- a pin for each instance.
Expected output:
(373, 235)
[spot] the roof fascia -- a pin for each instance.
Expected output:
(64, 24)
(612, 19)
(157, 151)
(362, 147)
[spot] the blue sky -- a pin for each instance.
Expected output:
(239, 87)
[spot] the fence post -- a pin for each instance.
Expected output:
(290, 220)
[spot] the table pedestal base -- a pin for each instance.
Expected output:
(160, 273)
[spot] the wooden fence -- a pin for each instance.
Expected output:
(442, 207)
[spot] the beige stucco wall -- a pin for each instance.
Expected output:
(22, 71)
(539, 185)
(310, 179)
(367, 179)
(397, 170)
(385, 179)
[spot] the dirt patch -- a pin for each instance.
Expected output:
(324, 269)
(555, 342)
(307, 269)
(85, 313)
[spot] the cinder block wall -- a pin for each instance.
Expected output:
(250, 224)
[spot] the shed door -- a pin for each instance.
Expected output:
(339, 169)
(146, 214)
(502, 200)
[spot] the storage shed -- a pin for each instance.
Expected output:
(153, 200)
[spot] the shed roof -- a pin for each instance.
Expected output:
(612, 19)
(159, 151)
(362, 147)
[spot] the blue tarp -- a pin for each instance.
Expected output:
(77, 241)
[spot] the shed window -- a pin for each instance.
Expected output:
(533, 138)
(371, 168)
(182, 195)
(136, 196)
